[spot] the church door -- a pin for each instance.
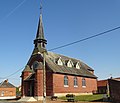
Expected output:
(32, 89)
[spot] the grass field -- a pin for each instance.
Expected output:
(86, 97)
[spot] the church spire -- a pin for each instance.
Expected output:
(40, 41)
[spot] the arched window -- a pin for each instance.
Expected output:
(11, 93)
(66, 81)
(2, 93)
(35, 64)
(75, 82)
(83, 82)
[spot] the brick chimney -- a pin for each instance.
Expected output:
(6, 81)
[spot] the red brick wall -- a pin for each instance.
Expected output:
(38, 83)
(102, 83)
(8, 92)
(58, 82)
(49, 83)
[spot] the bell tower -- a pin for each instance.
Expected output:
(40, 42)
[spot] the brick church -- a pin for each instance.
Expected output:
(64, 75)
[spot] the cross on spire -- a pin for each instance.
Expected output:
(41, 7)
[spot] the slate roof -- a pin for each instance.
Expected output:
(51, 63)
(83, 71)
(6, 84)
(27, 68)
(40, 32)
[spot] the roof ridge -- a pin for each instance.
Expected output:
(8, 84)
(65, 56)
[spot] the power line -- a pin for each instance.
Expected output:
(90, 37)
(12, 74)
(10, 78)
(14, 10)
(84, 39)
(87, 38)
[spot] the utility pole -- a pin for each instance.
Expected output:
(44, 78)
(43, 52)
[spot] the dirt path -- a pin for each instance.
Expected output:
(62, 101)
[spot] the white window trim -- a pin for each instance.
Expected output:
(83, 86)
(66, 85)
(77, 65)
(70, 64)
(59, 62)
(75, 86)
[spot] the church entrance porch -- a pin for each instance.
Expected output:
(29, 88)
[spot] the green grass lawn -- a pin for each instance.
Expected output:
(86, 97)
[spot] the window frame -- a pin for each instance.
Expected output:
(83, 82)
(66, 81)
(75, 81)
(2, 93)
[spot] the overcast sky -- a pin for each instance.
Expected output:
(65, 21)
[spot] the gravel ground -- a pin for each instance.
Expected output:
(49, 101)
